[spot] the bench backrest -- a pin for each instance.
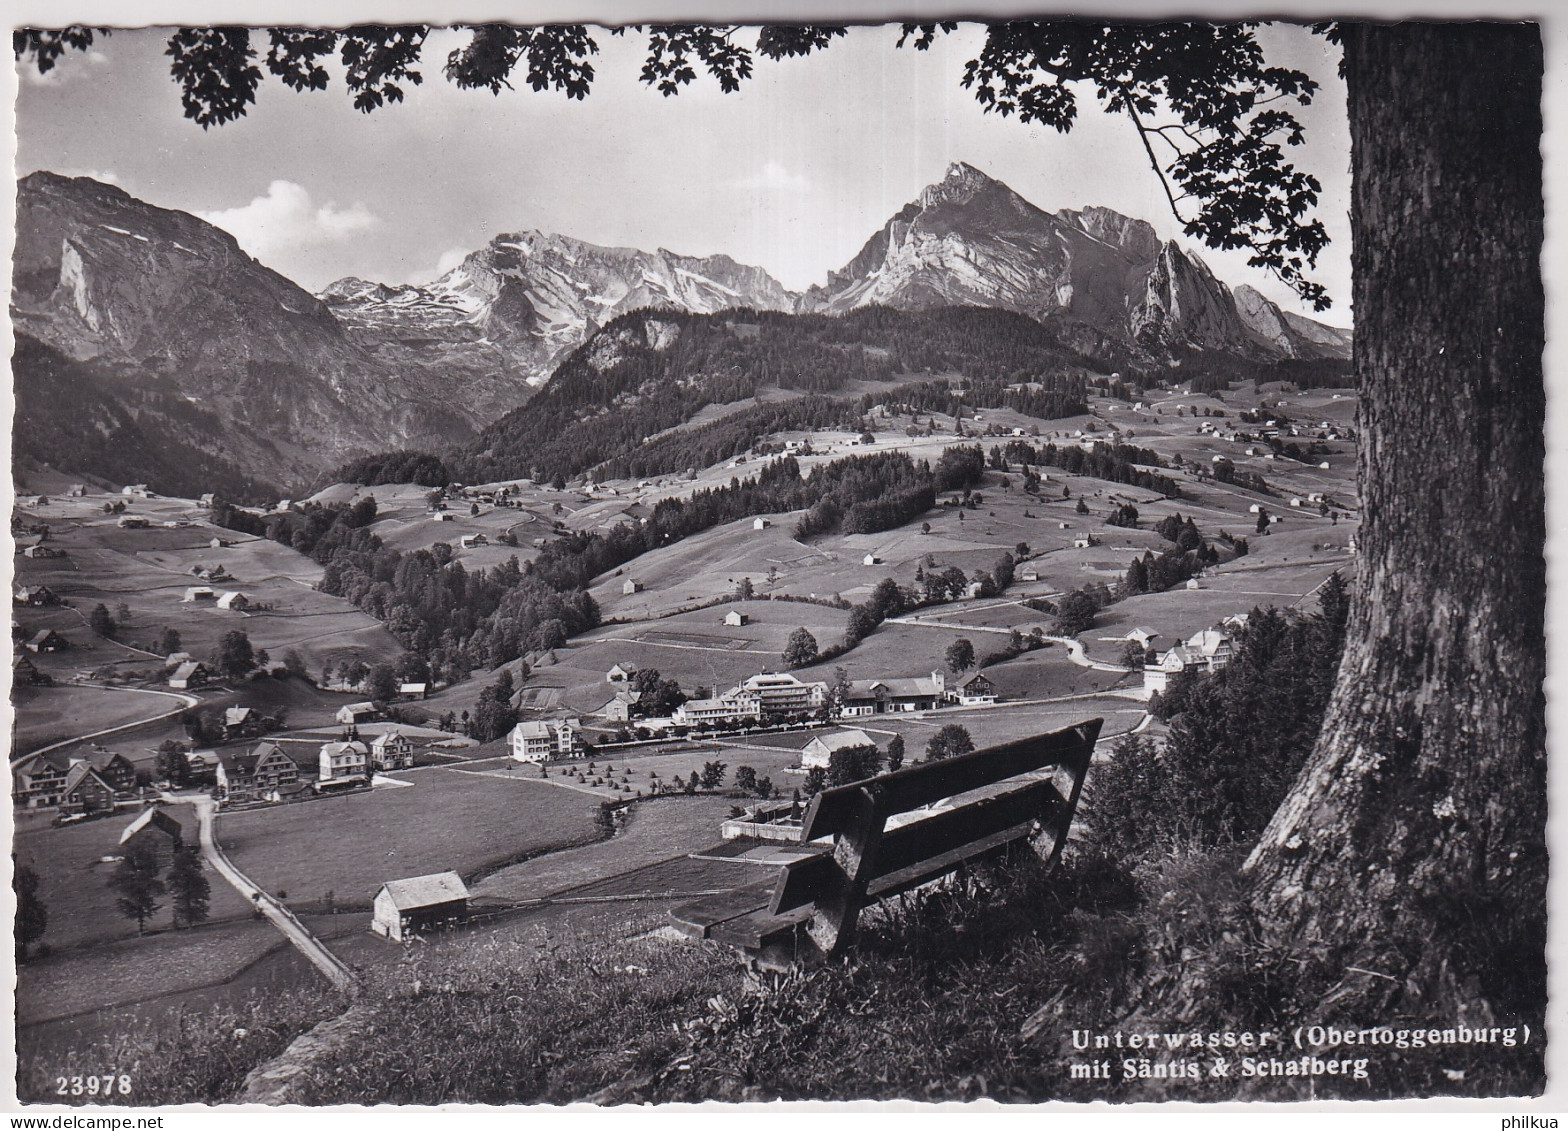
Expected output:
(1033, 781)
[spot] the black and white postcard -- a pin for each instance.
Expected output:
(996, 560)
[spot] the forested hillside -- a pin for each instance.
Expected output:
(650, 371)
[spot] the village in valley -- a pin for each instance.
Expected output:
(343, 792)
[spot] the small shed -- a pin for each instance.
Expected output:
(237, 601)
(420, 903)
(760, 524)
(631, 585)
(200, 593)
(736, 619)
(870, 560)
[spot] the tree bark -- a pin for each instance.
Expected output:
(1412, 846)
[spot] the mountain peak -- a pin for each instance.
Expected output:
(958, 185)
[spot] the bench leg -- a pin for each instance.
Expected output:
(832, 925)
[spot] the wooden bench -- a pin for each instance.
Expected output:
(997, 799)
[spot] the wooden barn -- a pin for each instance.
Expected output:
(420, 903)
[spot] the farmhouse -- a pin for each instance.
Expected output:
(343, 762)
(631, 585)
(199, 593)
(413, 690)
(884, 696)
(973, 690)
(236, 601)
(42, 551)
(25, 674)
(154, 819)
(760, 524)
(469, 541)
(190, 674)
(620, 673)
(133, 522)
(1139, 636)
(870, 560)
(35, 596)
(619, 708)
(393, 750)
(1027, 573)
(236, 719)
(47, 640)
(419, 904)
(736, 619)
(819, 751)
(355, 713)
(543, 739)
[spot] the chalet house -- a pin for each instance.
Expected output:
(116, 770)
(25, 674)
(870, 560)
(204, 765)
(819, 751)
(42, 551)
(469, 541)
(1206, 651)
(1027, 573)
(38, 782)
(887, 696)
(760, 524)
(619, 708)
(275, 766)
(413, 691)
(48, 640)
(631, 585)
(973, 690)
(973, 589)
(393, 750)
(355, 713)
(199, 593)
(1138, 636)
(343, 762)
(620, 673)
(206, 500)
(190, 674)
(133, 522)
(35, 596)
(443, 516)
(235, 774)
(1082, 543)
(236, 719)
(236, 601)
(541, 740)
(421, 903)
(736, 620)
(84, 791)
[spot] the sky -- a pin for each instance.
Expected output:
(793, 173)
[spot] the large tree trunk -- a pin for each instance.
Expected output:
(1412, 846)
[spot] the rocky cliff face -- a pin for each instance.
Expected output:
(528, 298)
(156, 299)
(970, 240)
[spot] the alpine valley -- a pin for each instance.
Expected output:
(151, 348)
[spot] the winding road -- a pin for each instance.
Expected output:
(282, 918)
(186, 703)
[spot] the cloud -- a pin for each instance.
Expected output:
(287, 219)
(64, 71)
(450, 258)
(105, 176)
(775, 178)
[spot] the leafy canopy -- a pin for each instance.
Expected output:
(1211, 115)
